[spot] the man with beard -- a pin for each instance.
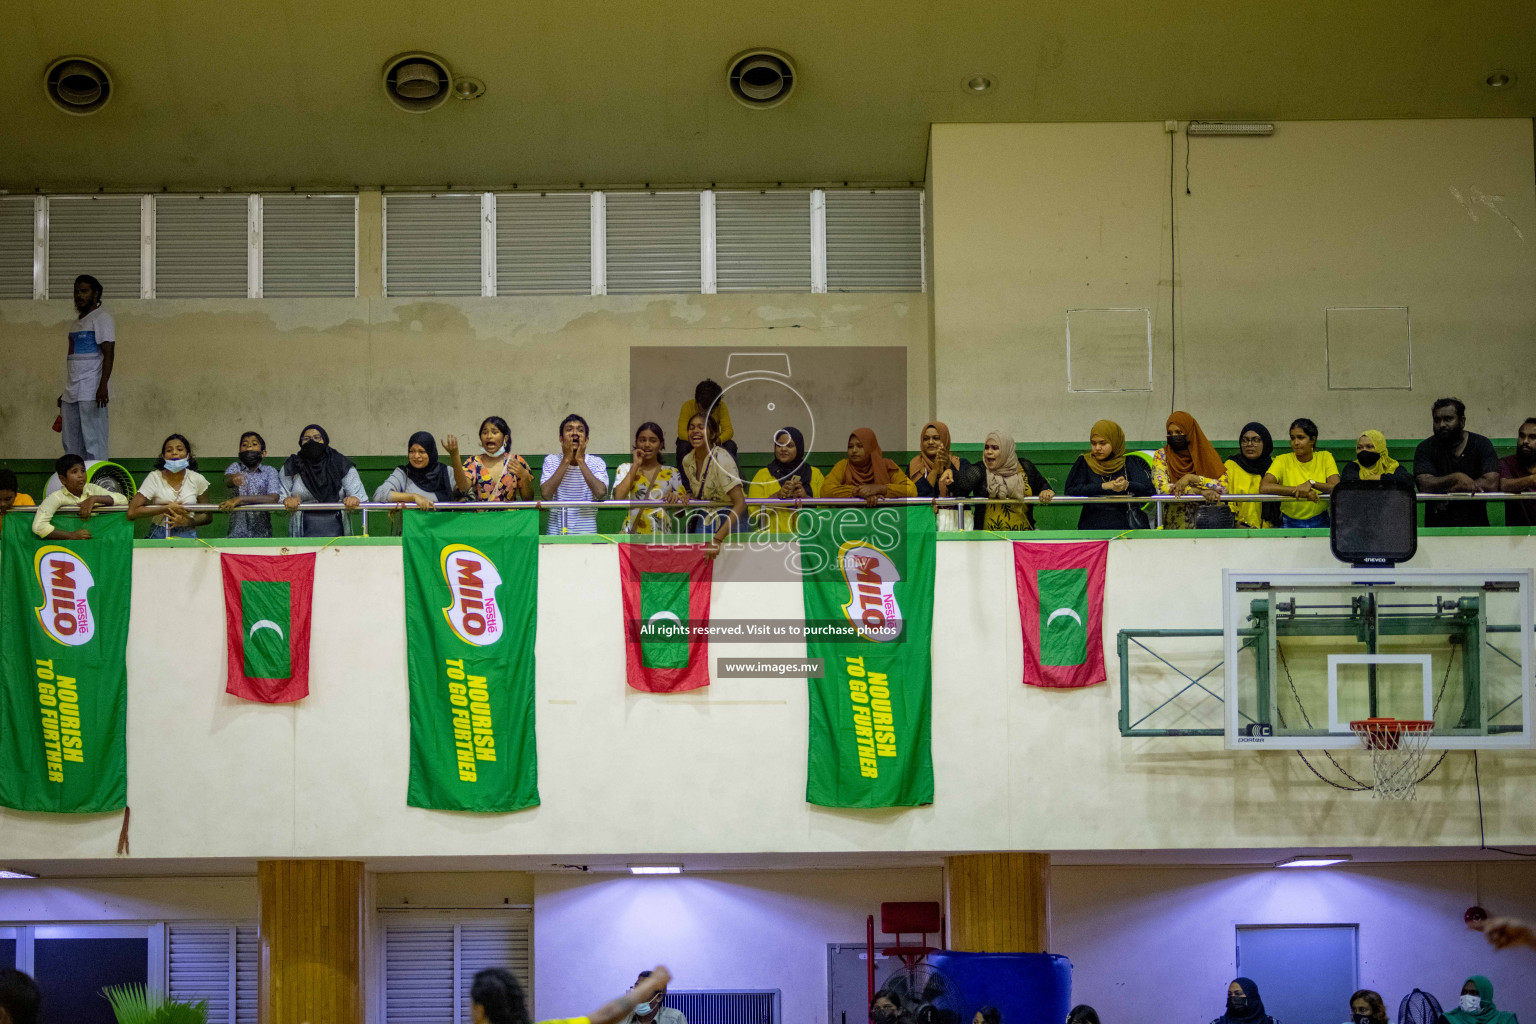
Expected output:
(1517, 474)
(83, 405)
(1455, 461)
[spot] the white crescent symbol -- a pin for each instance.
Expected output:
(1062, 611)
(666, 615)
(274, 627)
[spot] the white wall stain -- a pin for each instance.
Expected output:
(1493, 203)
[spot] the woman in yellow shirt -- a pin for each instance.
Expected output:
(1245, 475)
(1302, 474)
(866, 473)
(787, 476)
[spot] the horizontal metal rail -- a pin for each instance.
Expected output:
(790, 503)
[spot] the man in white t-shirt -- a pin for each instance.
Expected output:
(573, 475)
(83, 405)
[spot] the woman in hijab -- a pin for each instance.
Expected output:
(1005, 475)
(319, 473)
(1245, 475)
(1302, 474)
(1373, 461)
(1244, 1005)
(787, 476)
(938, 473)
(422, 480)
(1186, 463)
(1476, 1005)
(866, 473)
(1105, 470)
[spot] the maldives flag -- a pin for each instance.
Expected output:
(1061, 607)
(266, 624)
(666, 591)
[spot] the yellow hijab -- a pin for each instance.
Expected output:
(1386, 465)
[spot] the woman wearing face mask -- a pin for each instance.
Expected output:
(319, 473)
(1373, 461)
(1105, 470)
(936, 472)
(1245, 475)
(422, 481)
(1366, 1007)
(496, 474)
(866, 473)
(885, 1008)
(173, 484)
(1302, 474)
(1186, 463)
(788, 476)
(249, 481)
(1476, 1006)
(644, 478)
(1244, 1005)
(1004, 475)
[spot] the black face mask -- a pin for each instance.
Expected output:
(883, 1016)
(1237, 1005)
(1525, 456)
(250, 459)
(1362, 1018)
(1368, 459)
(312, 451)
(1178, 442)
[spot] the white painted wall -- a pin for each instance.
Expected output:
(1150, 945)
(735, 930)
(723, 769)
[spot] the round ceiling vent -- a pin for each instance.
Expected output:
(77, 85)
(417, 82)
(761, 78)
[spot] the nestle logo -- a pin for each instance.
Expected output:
(65, 580)
(472, 579)
(872, 579)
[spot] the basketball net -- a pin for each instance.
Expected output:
(1396, 746)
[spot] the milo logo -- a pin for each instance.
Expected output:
(872, 579)
(65, 581)
(472, 581)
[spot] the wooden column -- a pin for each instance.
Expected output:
(998, 902)
(311, 933)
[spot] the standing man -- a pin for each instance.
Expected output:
(83, 405)
(1517, 474)
(573, 475)
(654, 1010)
(1455, 461)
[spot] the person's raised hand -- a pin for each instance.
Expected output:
(237, 479)
(946, 481)
(451, 444)
(1504, 932)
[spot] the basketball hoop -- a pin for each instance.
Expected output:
(1396, 746)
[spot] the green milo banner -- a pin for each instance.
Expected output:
(868, 584)
(471, 598)
(64, 668)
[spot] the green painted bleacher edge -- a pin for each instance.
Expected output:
(1054, 459)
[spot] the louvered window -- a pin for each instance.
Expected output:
(429, 964)
(218, 963)
(763, 241)
(309, 246)
(96, 235)
(202, 247)
(726, 1006)
(874, 240)
(432, 244)
(16, 254)
(653, 243)
(544, 244)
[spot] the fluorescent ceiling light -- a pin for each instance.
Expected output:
(8, 873)
(1230, 128)
(1314, 860)
(655, 869)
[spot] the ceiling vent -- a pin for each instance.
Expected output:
(417, 82)
(761, 78)
(77, 85)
